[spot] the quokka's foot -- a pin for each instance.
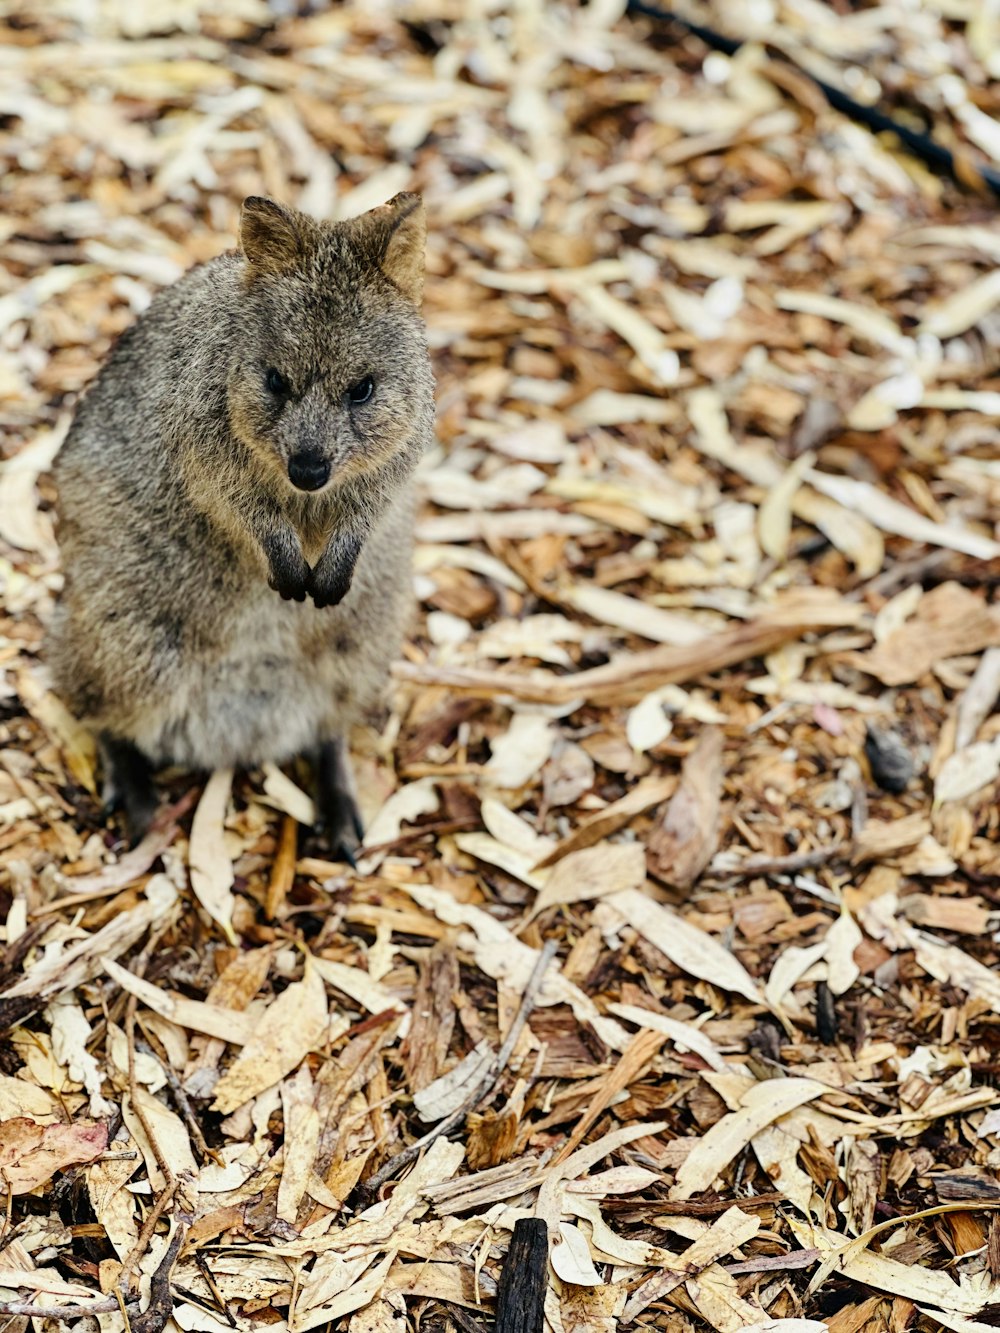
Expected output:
(128, 786)
(338, 816)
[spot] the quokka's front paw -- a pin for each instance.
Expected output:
(329, 591)
(330, 582)
(291, 590)
(288, 573)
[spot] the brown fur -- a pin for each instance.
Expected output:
(177, 511)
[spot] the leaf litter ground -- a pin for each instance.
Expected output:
(675, 927)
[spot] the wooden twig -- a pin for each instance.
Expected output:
(785, 865)
(27, 1310)
(170, 1180)
(634, 675)
(462, 1320)
(396, 1164)
(213, 1287)
(148, 1227)
(521, 1295)
(154, 1318)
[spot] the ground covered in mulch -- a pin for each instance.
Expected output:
(675, 927)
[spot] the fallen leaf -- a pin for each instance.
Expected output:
(948, 621)
(774, 518)
(608, 867)
(680, 848)
(687, 947)
(570, 1257)
(967, 771)
(517, 756)
(760, 1105)
(292, 1025)
(209, 863)
(31, 1154)
(451, 1090)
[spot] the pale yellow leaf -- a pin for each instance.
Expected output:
(214, 1020)
(211, 869)
(961, 309)
(609, 867)
(774, 518)
(761, 1105)
(684, 1035)
(842, 939)
(517, 755)
(687, 947)
(288, 796)
(637, 617)
(570, 1257)
(301, 1132)
(292, 1025)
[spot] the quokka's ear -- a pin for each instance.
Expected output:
(394, 235)
(274, 238)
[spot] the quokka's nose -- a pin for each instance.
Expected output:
(308, 471)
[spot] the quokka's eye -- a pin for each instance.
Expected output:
(360, 393)
(276, 383)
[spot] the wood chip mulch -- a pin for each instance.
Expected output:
(674, 938)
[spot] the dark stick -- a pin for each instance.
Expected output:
(521, 1294)
(958, 166)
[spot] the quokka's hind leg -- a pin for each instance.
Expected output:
(337, 807)
(128, 784)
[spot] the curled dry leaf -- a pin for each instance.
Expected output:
(209, 862)
(31, 1154)
(679, 848)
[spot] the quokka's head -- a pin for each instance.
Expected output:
(330, 374)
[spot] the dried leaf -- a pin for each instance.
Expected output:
(685, 945)
(292, 1025)
(679, 848)
(210, 866)
(608, 867)
(517, 756)
(31, 1154)
(570, 1257)
(760, 1105)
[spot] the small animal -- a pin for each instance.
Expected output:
(235, 508)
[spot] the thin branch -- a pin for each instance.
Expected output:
(27, 1309)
